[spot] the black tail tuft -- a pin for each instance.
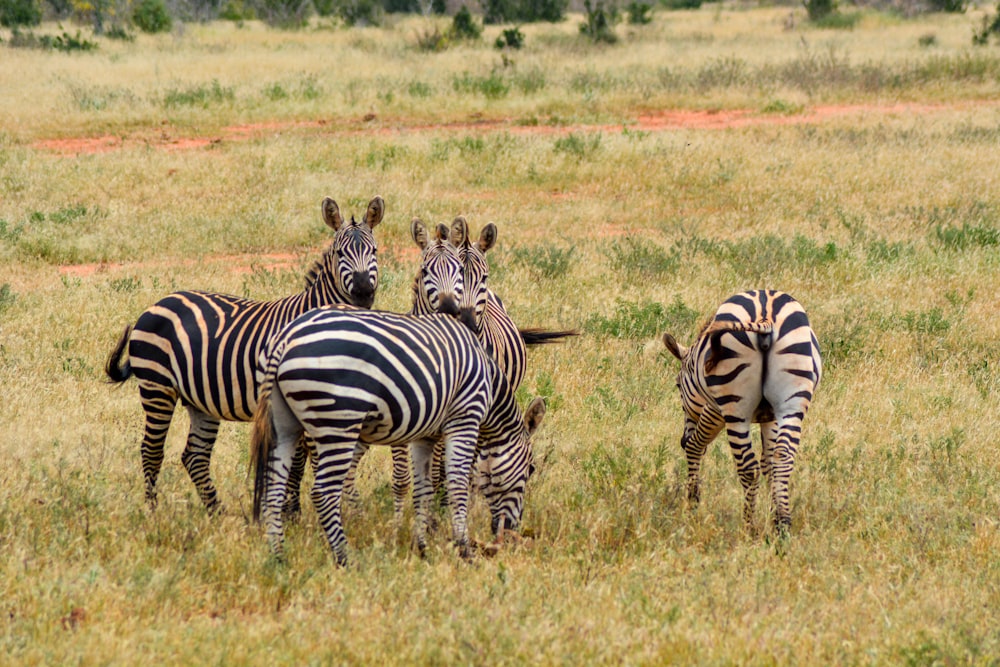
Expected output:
(544, 336)
(117, 371)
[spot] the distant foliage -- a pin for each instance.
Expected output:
(819, 9)
(287, 14)
(643, 320)
(523, 11)
(360, 12)
(990, 26)
(464, 27)
(151, 16)
(640, 13)
(681, 4)
(64, 42)
(600, 21)
(17, 13)
(949, 6)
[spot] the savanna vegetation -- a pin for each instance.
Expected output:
(861, 177)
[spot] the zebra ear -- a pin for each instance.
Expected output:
(419, 233)
(331, 214)
(441, 232)
(459, 232)
(534, 414)
(375, 212)
(487, 237)
(675, 348)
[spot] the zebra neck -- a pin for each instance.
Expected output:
(502, 414)
(322, 293)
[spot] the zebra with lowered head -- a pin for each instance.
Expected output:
(756, 361)
(343, 377)
(202, 348)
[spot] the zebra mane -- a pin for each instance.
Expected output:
(313, 274)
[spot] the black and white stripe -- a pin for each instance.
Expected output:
(756, 361)
(202, 348)
(345, 376)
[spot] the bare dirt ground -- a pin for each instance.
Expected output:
(668, 120)
(165, 139)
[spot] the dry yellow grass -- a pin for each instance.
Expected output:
(884, 224)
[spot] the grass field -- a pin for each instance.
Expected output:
(861, 177)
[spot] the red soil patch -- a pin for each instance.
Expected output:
(651, 122)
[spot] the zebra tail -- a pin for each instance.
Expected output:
(261, 446)
(717, 328)
(117, 371)
(545, 336)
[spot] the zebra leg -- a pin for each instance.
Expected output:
(350, 490)
(400, 482)
(460, 452)
(334, 453)
(287, 436)
(768, 436)
(438, 471)
(158, 402)
(421, 454)
(694, 443)
(198, 455)
(786, 445)
(741, 446)
(293, 503)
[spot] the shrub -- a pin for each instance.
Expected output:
(463, 26)
(151, 16)
(819, 9)
(949, 6)
(640, 13)
(16, 13)
(547, 261)
(600, 21)
(989, 26)
(640, 321)
(286, 14)
(512, 38)
(360, 12)
(681, 4)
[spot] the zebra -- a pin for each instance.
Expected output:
(756, 361)
(201, 348)
(437, 288)
(345, 376)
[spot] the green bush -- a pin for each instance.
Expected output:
(819, 9)
(151, 16)
(287, 14)
(464, 27)
(949, 6)
(600, 21)
(512, 38)
(16, 13)
(641, 13)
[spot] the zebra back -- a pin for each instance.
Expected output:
(438, 285)
(204, 346)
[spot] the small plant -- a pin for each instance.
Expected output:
(600, 22)
(927, 40)
(432, 39)
(639, 321)
(151, 16)
(548, 261)
(633, 254)
(492, 87)
(120, 33)
(640, 13)
(511, 38)
(7, 297)
(578, 145)
(360, 12)
(201, 96)
(17, 13)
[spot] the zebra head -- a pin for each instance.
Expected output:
(691, 399)
(439, 285)
(475, 270)
(506, 463)
(350, 265)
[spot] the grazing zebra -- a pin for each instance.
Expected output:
(344, 377)
(756, 361)
(201, 348)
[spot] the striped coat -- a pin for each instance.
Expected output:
(344, 377)
(201, 348)
(756, 361)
